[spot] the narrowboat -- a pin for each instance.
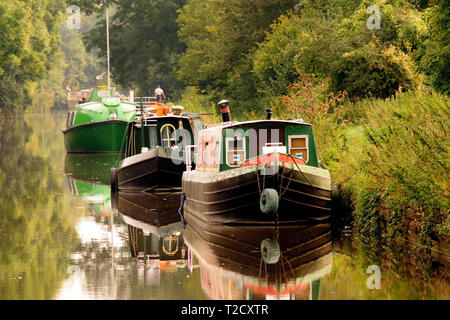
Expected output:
(259, 262)
(98, 126)
(154, 150)
(263, 169)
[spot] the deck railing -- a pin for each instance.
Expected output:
(145, 100)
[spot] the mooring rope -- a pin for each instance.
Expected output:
(301, 171)
(288, 184)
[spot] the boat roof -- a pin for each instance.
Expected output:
(238, 124)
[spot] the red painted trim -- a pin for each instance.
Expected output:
(269, 158)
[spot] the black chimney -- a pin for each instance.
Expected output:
(224, 110)
(268, 113)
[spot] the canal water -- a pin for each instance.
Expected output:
(62, 236)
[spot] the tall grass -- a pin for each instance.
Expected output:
(392, 159)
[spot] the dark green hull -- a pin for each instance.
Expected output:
(96, 137)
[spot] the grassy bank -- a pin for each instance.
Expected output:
(391, 158)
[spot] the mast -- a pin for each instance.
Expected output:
(107, 51)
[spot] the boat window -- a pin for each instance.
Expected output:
(167, 138)
(153, 138)
(235, 151)
(70, 119)
(298, 147)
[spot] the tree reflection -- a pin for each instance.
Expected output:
(36, 225)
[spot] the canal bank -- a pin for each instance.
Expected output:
(389, 159)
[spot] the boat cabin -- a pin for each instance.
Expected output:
(107, 109)
(168, 130)
(232, 145)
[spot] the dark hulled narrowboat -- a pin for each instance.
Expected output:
(263, 169)
(154, 149)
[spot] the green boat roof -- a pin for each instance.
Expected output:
(96, 112)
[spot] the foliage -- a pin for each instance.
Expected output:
(370, 72)
(307, 97)
(144, 44)
(81, 66)
(391, 157)
(194, 102)
(433, 55)
(331, 40)
(29, 41)
(221, 36)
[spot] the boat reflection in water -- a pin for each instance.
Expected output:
(154, 231)
(88, 178)
(259, 262)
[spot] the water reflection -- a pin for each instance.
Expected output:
(260, 262)
(62, 236)
(137, 252)
(88, 179)
(94, 168)
(37, 233)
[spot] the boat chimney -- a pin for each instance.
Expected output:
(268, 112)
(224, 110)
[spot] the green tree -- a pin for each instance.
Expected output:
(434, 54)
(144, 44)
(29, 41)
(331, 39)
(221, 36)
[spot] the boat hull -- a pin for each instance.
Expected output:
(233, 196)
(151, 170)
(96, 137)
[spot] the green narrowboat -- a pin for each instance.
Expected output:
(98, 126)
(257, 170)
